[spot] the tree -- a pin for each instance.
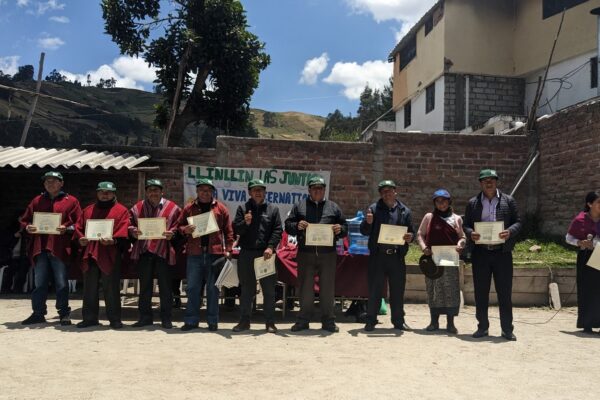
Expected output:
(203, 41)
(270, 120)
(106, 84)
(25, 73)
(55, 77)
(340, 128)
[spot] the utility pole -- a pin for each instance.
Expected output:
(35, 99)
(596, 12)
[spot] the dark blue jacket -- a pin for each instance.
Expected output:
(381, 215)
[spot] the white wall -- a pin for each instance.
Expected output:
(576, 85)
(430, 122)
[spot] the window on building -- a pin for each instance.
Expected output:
(408, 52)
(429, 25)
(430, 98)
(553, 7)
(407, 114)
(594, 72)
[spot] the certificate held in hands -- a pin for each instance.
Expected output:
(445, 256)
(594, 260)
(96, 229)
(489, 232)
(46, 223)
(152, 228)
(319, 235)
(392, 234)
(264, 268)
(205, 224)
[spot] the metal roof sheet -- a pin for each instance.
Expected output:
(28, 157)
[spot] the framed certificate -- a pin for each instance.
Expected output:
(319, 235)
(96, 229)
(264, 268)
(489, 232)
(445, 256)
(152, 228)
(392, 234)
(205, 224)
(46, 223)
(594, 260)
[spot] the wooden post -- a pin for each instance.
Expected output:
(35, 99)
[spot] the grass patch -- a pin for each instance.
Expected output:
(553, 253)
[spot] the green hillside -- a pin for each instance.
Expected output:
(116, 116)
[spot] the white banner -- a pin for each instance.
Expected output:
(285, 187)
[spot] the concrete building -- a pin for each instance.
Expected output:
(467, 61)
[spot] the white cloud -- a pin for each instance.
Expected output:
(50, 43)
(313, 68)
(9, 65)
(50, 5)
(407, 12)
(354, 77)
(128, 71)
(22, 3)
(62, 19)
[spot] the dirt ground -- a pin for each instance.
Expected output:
(550, 360)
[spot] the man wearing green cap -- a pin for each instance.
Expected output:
(154, 256)
(315, 209)
(50, 252)
(258, 225)
(101, 258)
(202, 252)
(491, 205)
(387, 259)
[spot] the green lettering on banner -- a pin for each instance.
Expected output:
(284, 177)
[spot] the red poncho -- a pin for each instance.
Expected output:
(582, 225)
(105, 256)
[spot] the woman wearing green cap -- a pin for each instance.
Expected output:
(442, 227)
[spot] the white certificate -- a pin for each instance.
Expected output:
(392, 234)
(96, 229)
(263, 268)
(46, 223)
(489, 232)
(319, 235)
(594, 260)
(152, 228)
(205, 224)
(445, 256)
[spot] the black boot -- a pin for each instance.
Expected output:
(450, 325)
(434, 325)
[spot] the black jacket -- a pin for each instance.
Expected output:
(506, 211)
(324, 212)
(265, 229)
(381, 216)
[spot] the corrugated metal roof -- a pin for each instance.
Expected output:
(28, 157)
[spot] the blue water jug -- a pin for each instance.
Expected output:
(359, 244)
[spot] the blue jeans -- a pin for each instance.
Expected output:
(199, 272)
(44, 263)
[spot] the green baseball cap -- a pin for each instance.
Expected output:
(316, 180)
(487, 173)
(154, 182)
(108, 186)
(386, 183)
(52, 174)
(256, 183)
(205, 181)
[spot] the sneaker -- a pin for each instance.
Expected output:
(34, 319)
(65, 320)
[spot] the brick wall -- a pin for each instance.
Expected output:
(569, 164)
(489, 96)
(419, 163)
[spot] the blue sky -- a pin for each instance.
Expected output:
(323, 52)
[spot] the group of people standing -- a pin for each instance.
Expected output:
(258, 228)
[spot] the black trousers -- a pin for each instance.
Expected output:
(499, 265)
(247, 278)
(151, 265)
(394, 267)
(324, 265)
(111, 288)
